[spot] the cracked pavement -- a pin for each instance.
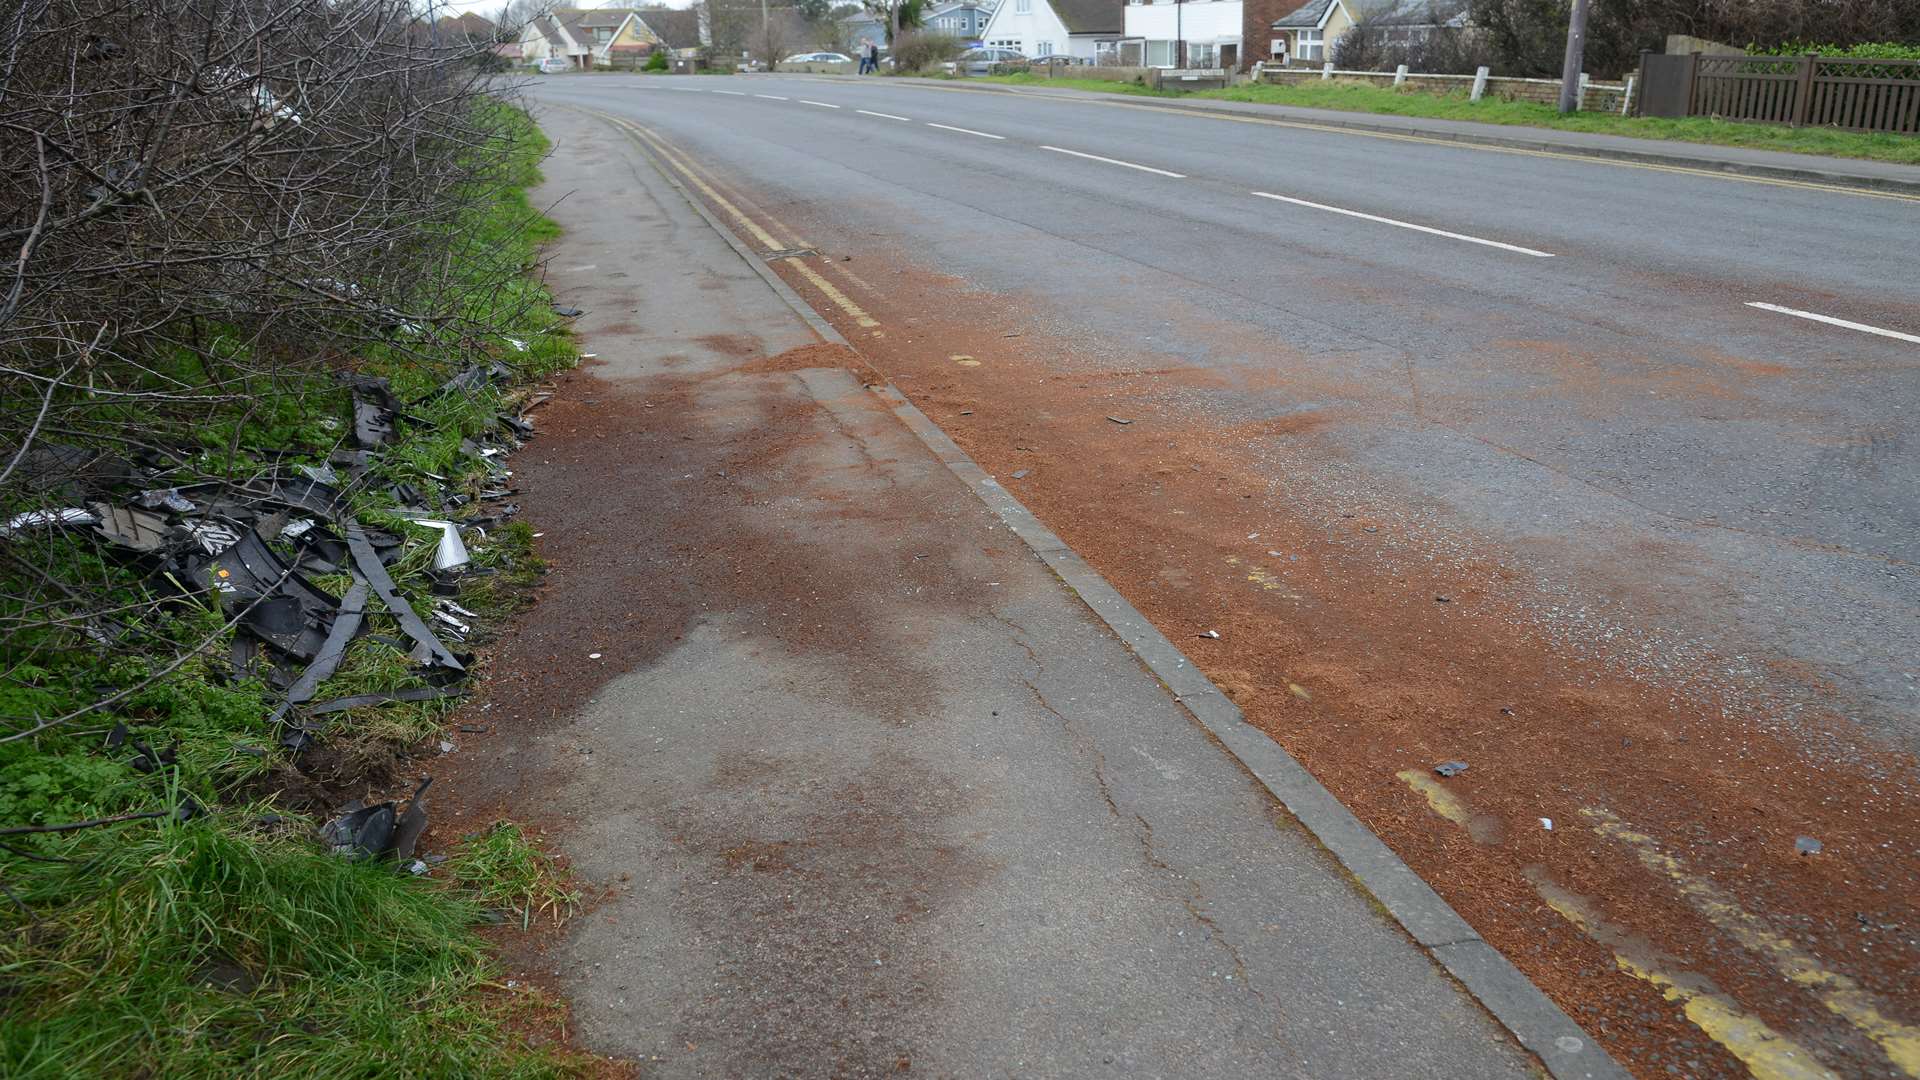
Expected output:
(863, 786)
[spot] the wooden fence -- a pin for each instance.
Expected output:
(1860, 95)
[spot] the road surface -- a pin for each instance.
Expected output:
(1600, 477)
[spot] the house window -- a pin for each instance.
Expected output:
(1202, 56)
(602, 35)
(1043, 48)
(1312, 47)
(1022, 7)
(1160, 54)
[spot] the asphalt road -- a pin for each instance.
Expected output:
(1599, 475)
(1560, 356)
(860, 787)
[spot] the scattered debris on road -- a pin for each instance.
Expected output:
(1807, 845)
(1119, 421)
(1450, 768)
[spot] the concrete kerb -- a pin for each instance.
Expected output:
(1636, 157)
(1539, 1025)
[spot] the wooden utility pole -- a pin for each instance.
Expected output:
(1575, 59)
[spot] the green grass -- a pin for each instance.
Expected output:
(328, 968)
(1353, 96)
(209, 949)
(502, 868)
(1110, 86)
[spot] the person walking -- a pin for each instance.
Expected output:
(873, 56)
(865, 44)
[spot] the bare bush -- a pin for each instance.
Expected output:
(207, 209)
(914, 50)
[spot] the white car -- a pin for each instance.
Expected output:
(553, 65)
(819, 58)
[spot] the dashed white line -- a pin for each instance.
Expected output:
(964, 131)
(1116, 161)
(772, 97)
(883, 115)
(732, 93)
(1406, 225)
(689, 89)
(1831, 321)
(822, 104)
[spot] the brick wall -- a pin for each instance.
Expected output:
(1600, 97)
(1256, 27)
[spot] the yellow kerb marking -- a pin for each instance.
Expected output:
(1444, 802)
(827, 288)
(858, 281)
(766, 238)
(1766, 1053)
(832, 293)
(1839, 993)
(1266, 579)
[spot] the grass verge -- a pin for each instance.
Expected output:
(226, 941)
(1354, 96)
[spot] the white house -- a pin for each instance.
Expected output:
(585, 37)
(1154, 29)
(1054, 27)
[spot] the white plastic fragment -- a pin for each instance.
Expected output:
(1546, 823)
(452, 551)
(34, 519)
(212, 537)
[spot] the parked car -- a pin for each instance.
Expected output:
(819, 58)
(1057, 58)
(981, 61)
(553, 65)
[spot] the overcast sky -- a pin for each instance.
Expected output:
(488, 7)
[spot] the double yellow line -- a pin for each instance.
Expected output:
(664, 152)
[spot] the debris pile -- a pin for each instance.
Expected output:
(258, 548)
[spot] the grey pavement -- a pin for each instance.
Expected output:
(906, 803)
(1672, 480)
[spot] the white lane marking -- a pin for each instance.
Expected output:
(964, 131)
(732, 93)
(1116, 161)
(689, 89)
(772, 97)
(1406, 225)
(822, 104)
(1831, 321)
(883, 115)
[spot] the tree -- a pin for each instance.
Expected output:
(728, 25)
(776, 35)
(897, 15)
